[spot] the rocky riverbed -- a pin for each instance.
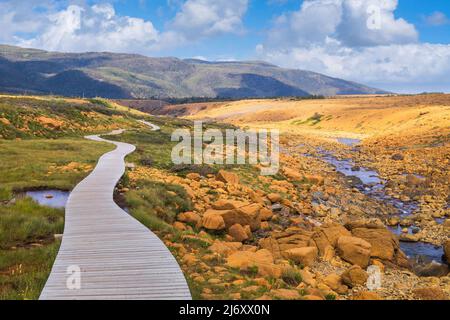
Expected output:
(310, 232)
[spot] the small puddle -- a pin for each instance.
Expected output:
(348, 141)
(49, 198)
(369, 182)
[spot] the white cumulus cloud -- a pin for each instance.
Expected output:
(77, 26)
(357, 40)
(201, 18)
(90, 28)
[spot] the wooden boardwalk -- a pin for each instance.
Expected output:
(119, 258)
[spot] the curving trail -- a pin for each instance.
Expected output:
(119, 258)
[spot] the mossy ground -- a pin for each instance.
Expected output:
(50, 154)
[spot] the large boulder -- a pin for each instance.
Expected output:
(225, 248)
(193, 176)
(262, 260)
(274, 197)
(327, 235)
(430, 293)
(354, 250)
(189, 217)
(376, 223)
(385, 245)
(228, 204)
(213, 221)
(355, 276)
(227, 177)
(245, 216)
(367, 295)
(238, 233)
(293, 237)
(292, 174)
(271, 244)
(252, 212)
(265, 214)
(285, 294)
(334, 282)
(305, 256)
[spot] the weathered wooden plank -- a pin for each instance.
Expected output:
(118, 257)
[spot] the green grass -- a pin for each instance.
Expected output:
(26, 222)
(156, 204)
(37, 156)
(291, 276)
(22, 118)
(27, 163)
(23, 272)
(5, 194)
(27, 247)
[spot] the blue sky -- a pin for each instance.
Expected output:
(398, 45)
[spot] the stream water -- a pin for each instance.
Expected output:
(369, 182)
(49, 198)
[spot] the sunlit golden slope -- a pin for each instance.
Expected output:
(348, 116)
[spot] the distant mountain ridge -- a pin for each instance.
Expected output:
(125, 76)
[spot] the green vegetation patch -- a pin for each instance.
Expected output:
(25, 222)
(41, 162)
(27, 118)
(27, 247)
(157, 204)
(24, 271)
(313, 120)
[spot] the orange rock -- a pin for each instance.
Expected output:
(5, 121)
(354, 250)
(334, 282)
(189, 191)
(430, 293)
(238, 232)
(225, 248)
(213, 222)
(367, 295)
(226, 204)
(265, 214)
(354, 276)
(272, 245)
(261, 259)
(292, 174)
(49, 122)
(305, 256)
(179, 226)
(327, 235)
(227, 177)
(274, 197)
(189, 217)
(311, 297)
(315, 179)
(248, 215)
(248, 231)
(285, 294)
(190, 259)
(193, 176)
(265, 225)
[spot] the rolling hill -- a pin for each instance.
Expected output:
(125, 76)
